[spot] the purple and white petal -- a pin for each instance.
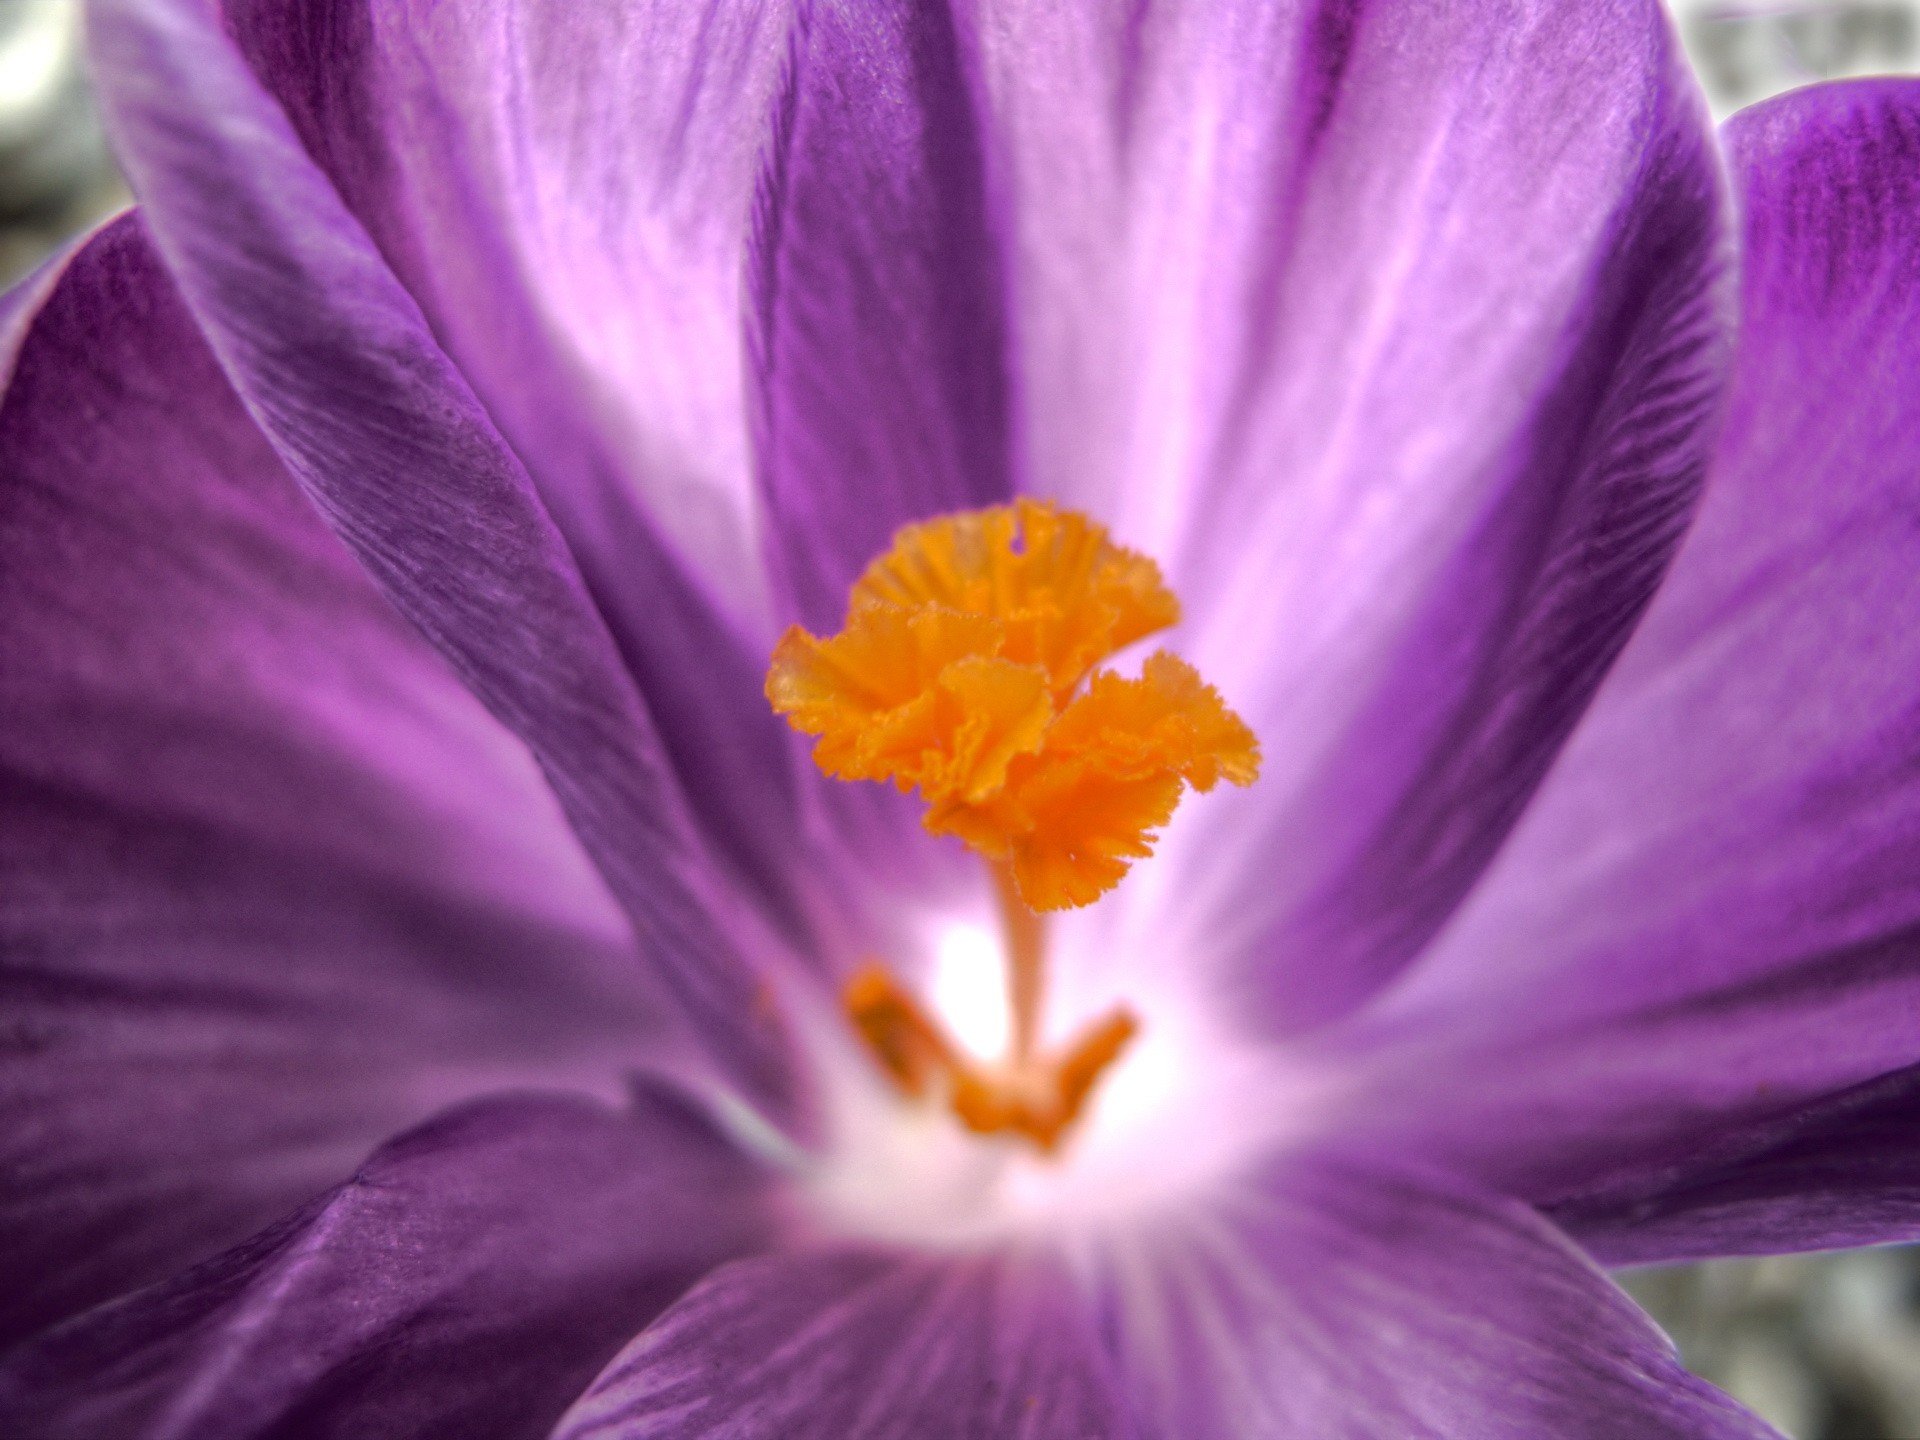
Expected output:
(1711, 918)
(565, 191)
(1395, 330)
(272, 883)
(339, 368)
(470, 1280)
(836, 1343)
(1327, 1301)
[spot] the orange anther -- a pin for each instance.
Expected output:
(909, 1046)
(1089, 1056)
(1039, 1098)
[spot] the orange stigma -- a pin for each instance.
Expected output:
(966, 672)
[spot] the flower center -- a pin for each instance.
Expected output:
(966, 672)
(1028, 1092)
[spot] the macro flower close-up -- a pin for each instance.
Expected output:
(902, 719)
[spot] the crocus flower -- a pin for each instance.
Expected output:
(399, 511)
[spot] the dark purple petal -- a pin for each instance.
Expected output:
(469, 1281)
(565, 190)
(1711, 918)
(20, 305)
(271, 882)
(1328, 1302)
(1841, 1172)
(880, 378)
(829, 1345)
(1396, 330)
(878, 302)
(338, 367)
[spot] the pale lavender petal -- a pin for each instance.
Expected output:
(469, 1280)
(1326, 1301)
(565, 189)
(834, 1344)
(1396, 329)
(338, 367)
(271, 882)
(1711, 918)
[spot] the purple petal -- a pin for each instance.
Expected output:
(1328, 1302)
(1396, 329)
(271, 882)
(1711, 918)
(564, 188)
(338, 367)
(468, 1281)
(828, 1345)
(878, 303)
(1843, 1171)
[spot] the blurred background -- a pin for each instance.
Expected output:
(56, 178)
(1826, 1347)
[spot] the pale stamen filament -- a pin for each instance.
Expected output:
(1026, 941)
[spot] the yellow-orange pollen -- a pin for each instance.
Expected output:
(967, 672)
